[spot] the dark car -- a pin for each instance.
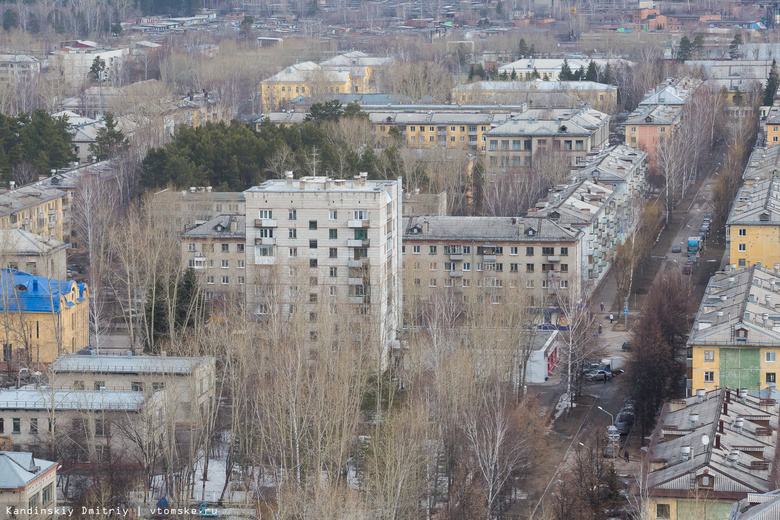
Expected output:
(623, 422)
(676, 249)
(626, 346)
(598, 375)
(687, 268)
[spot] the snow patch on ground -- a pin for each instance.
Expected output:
(562, 405)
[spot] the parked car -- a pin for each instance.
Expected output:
(598, 375)
(626, 346)
(676, 249)
(708, 216)
(687, 268)
(623, 422)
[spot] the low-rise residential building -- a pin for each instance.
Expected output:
(550, 68)
(28, 483)
(198, 205)
(187, 383)
(600, 96)
(574, 132)
(673, 92)
(417, 204)
(73, 60)
(753, 226)
(33, 254)
(495, 255)
(44, 317)
(15, 67)
(33, 208)
(713, 448)
(216, 251)
(622, 167)
(757, 506)
(735, 340)
(763, 164)
(648, 125)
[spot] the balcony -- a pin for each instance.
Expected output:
(553, 258)
(456, 274)
(355, 281)
(265, 241)
(489, 258)
(264, 260)
(356, 263)
(456, 256)
(358, 242)
(356, 299)
(359, 224)
(265, 222)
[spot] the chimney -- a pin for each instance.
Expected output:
(685, 453)
(739, 422)
(288, 177)
(163, 354)
(720, 426)
(93, 353)
(701, 395)
(208, 189)
(233, 224)
(694, 417)
(728, 395)
(725, 407)
(742, 392)
(129, 353)
(733, 458)
(717, 441)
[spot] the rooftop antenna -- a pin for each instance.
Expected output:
(314, 161)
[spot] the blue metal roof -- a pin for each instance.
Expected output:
(24, 292)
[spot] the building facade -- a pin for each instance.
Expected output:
(33, 254)
(735, 340)
(33, 208)
(44, 317)
(648, 125)
(321, 245)
(753, 226)
(600, 96)
(28, 483)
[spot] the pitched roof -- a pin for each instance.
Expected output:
(757, 203)
(29, 398)
(19, 469)
(127, 364)
(21, 242)
(613, 164)
(24, 292)
(485, 228)
(13, 201)
(219, 227)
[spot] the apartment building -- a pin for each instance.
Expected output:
(550, 68)
(753, 226)
(32, 253)
(764, 162)
(735, 338)
(45, 317)
(621, 167)
(600, 96)
(33, 208)
(28, 483)
(187, 383)
(574, 132)
(492, 254)
(353, 72)
(708, 451)
(15, 67)
(648, 125)
(74, 59)
(321, 245)
(216, 251)
(673, 92)
(201, 204)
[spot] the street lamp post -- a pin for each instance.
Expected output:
(610, 415)
(614, 441)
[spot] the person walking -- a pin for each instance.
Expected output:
(611, 318)
(602, 306)
(628, 459)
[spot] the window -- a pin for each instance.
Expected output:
(433, 250)
(564, 268)
(99, 385)
(548, 251)
(240, 264)
(34, 425)
(191, 247)
(529, 268)
(225, 264)
(709, 356)
(564, 284)
(78, 385)
(513, 251)
(312, 224)
(16, 424)
(416, 250)
(548, 267)
(266, 214)
(33, 502)
(241, 280)
(292, 214)
(663, 511)
(770, 357)
(361, 214)
(334, 272)
(529, 284)
(333, 252)
(741, 262)
(240, 248)
(709, 377)
(47, 494)
(101, 428)
(770, 377)
(466, 282)
(743, 232)
(225, 280)
(493, 144)
(2, 425)
(333, 233)
(432, 282)
(137, 386)
(467, 266)
(293, 252)
(742, 248)
(529, 251)
(432, 266)
(513, 268)
(312, 244)
(292, 233)
(312, 262)
(564, 251)
(225, 248)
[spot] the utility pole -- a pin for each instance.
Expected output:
(314, 161)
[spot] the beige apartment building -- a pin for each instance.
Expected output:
(34, 209)
(27, 483)
(187, 383)
(216, 251)
(319, 245)
(494, 254)
(200, 204)
(33, 254)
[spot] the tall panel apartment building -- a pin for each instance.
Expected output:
(318, 245)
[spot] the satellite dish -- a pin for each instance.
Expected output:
(705, 439)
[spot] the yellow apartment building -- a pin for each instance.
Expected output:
(600, 96)
(735, 340)
(753, 226)
(35, 209)
(41, 318)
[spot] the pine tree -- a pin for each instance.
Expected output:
(522, 48)
(535, 74)
(772, 82)
(698, 45)
(734, 46)
(97, 70)
(592, 73)
(566, 73)
(685, 50)
(109, 141)
(580, 74)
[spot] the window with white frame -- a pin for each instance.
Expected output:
(770, 357)
(709, 356)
